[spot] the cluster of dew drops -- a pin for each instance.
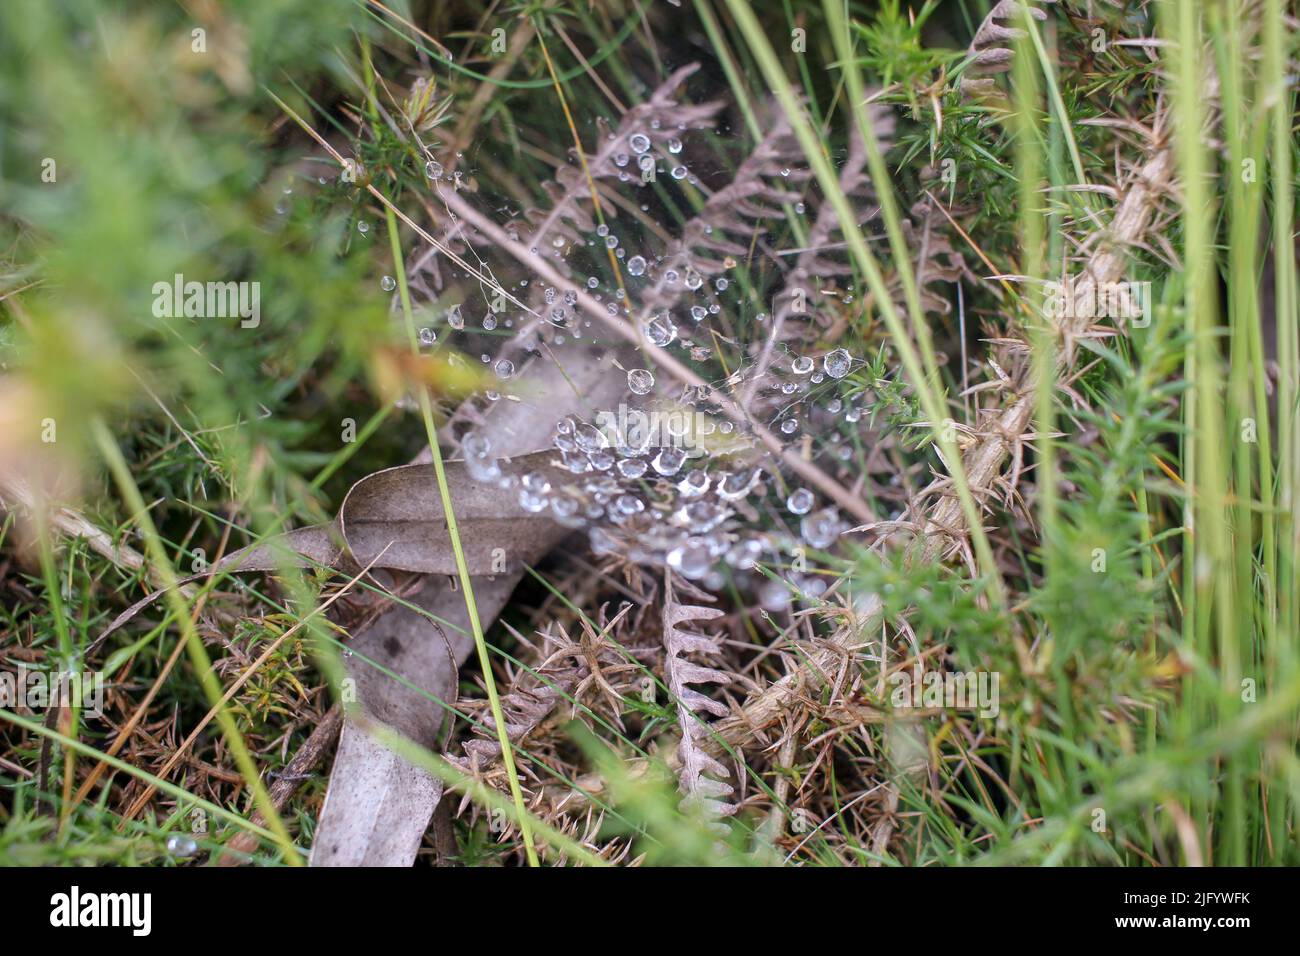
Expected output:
(662, 498)
(669, 503)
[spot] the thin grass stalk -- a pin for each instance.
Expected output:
(462, 568)
(1276, 95)
(1242, 220)
(1208, 547)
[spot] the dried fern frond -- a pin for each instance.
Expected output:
(937, 261)
(731, 217)
(568, 670)
(532, 697)
(658, 119)
(702, 778)
(990, 53)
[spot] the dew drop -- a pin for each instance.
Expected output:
(182, 846)
(589, 438)
(691, 560)
(388, 283)
(632, 468)
(433, 169)
(774, 596)
(636, 266)
(640, 381)
(505, 368)
(639, 142)
(800, 501)
(837, 363)
(660, 330)
(820, 529)
(479, 462)
(694, 484)
(669, 461)
(802, 365)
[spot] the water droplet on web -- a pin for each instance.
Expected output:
(532, 492)
(632, 467)
(691, 560)
(388, 283)
(774, 596)
(476, 449)
(588, 437)
(433, 169)
(660, 330)
(669, 461)
(736, 485)
(790, 426)
(678, 172)
(564, 507)
(802, 365)
(800, 501)
(674, 145)
(640, 381)
(489, 322)
(636, 266)
(505, 368)
(694, 484)
(454, 318)
(428, 336)
(821, 529)
(181, 846)
(837, 363)
(628, 504)
(639, 142)
(698, 312)
(744, 554)
(363, 227)
(620, 159)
